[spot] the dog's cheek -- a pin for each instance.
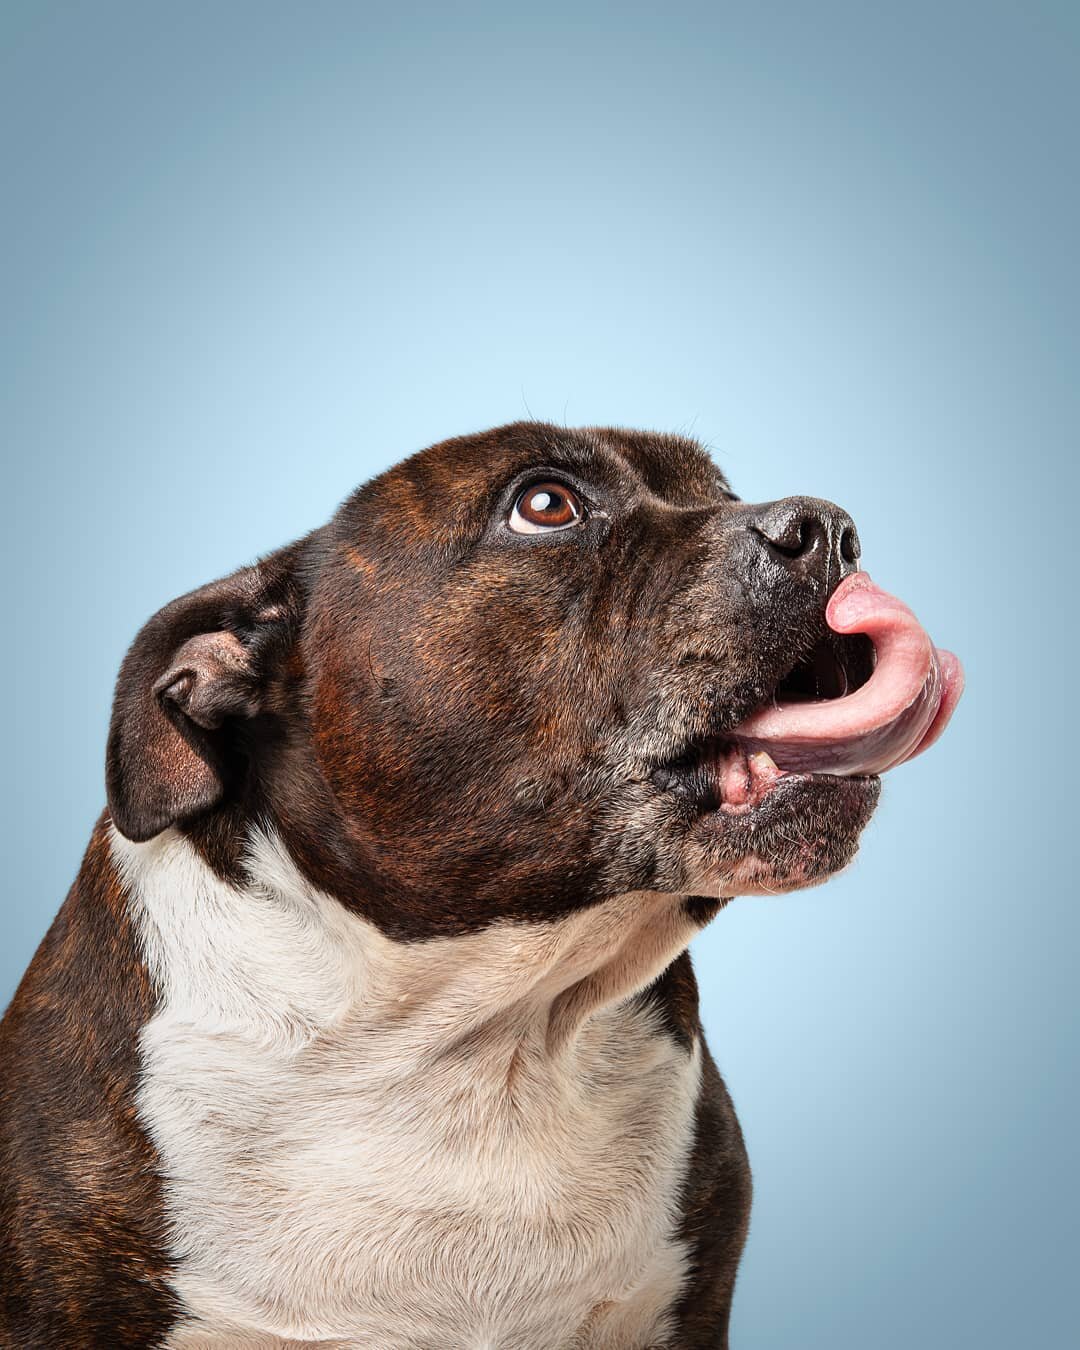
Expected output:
(420, 742)
(468, 733)
(642, 841)
(507, 683)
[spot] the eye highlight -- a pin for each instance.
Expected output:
(546, 506)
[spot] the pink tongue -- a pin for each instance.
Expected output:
(900, 711)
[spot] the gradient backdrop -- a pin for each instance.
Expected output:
(253, 253)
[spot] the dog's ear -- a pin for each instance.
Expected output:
(198, 665)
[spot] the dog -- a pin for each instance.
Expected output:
(369, 1019)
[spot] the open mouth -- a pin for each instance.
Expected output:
(864, 701)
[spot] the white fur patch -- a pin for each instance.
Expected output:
(465, 1142)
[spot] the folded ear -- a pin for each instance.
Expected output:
(200, 663)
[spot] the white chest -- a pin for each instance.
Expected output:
(373, 1146)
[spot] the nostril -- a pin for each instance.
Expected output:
(849, 545)
(792, 544)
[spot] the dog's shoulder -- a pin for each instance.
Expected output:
(81, 1219)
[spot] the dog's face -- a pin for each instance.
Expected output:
(520, 649)
(507, 681)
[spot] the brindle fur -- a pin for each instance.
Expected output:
(81, 1227)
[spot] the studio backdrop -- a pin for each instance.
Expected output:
(254, 253)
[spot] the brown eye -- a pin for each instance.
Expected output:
(545, 506)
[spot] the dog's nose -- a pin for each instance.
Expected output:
(813, 539)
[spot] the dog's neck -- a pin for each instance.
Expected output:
(413, 1118)
(275, 958)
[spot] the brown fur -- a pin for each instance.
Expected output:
(82, 1237)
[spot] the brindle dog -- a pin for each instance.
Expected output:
(369, 1020)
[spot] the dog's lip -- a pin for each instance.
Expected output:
(742, 778)
(725, 778)
(899, 712)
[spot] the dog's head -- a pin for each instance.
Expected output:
(525, 671)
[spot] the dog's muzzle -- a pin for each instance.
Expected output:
(823, 723)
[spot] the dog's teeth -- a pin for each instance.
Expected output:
(764, 772)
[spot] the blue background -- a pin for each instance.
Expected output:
(253, 253)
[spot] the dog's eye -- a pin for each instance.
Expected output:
(545, 506)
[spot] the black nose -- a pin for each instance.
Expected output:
(813, 539)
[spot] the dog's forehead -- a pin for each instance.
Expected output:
(450, 487)
(674, 468)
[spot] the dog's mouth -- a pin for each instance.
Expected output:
(872, 694)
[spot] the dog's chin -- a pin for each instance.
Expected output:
(793, 831)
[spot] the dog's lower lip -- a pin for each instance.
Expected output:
(723, 776)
